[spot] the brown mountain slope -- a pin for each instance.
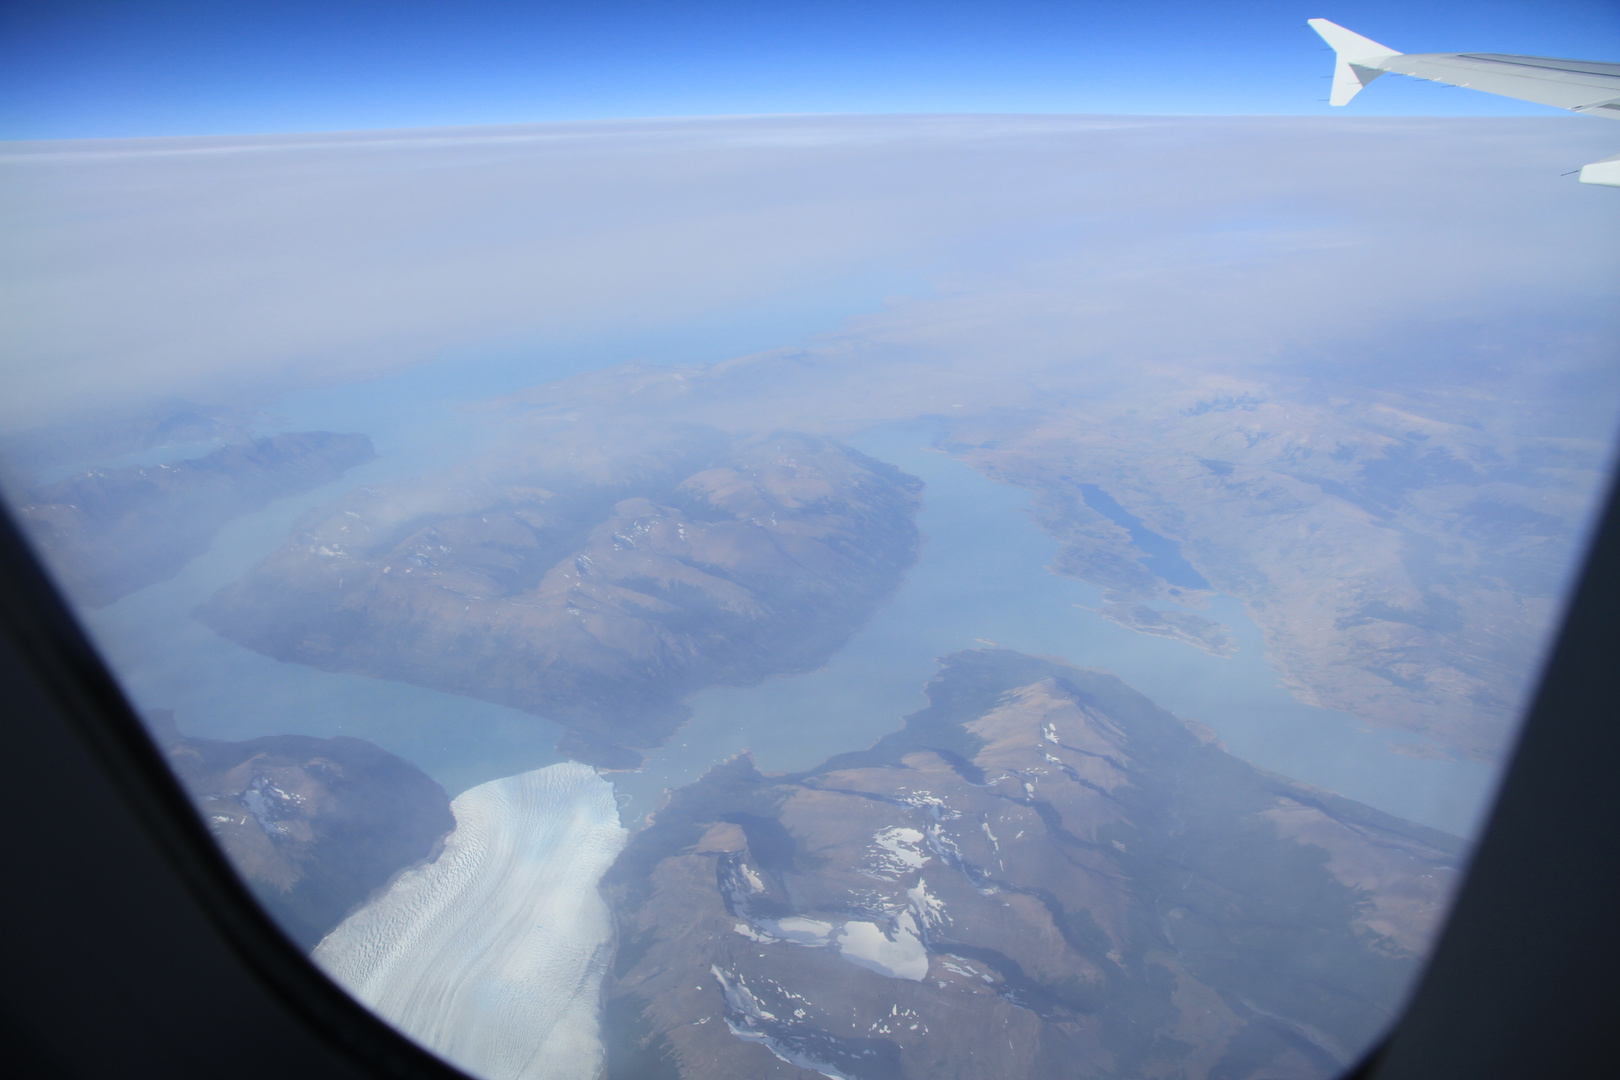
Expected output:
(591, 575)
(314, 826)
(1042, 875)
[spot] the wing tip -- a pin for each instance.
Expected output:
(1350, 45)
(1605, 172)
(1356, 59)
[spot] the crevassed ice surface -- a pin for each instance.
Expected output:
(493, 953)
(863, 597)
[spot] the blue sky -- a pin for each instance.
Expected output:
(84, 69)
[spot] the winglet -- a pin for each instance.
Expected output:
(1358, 59)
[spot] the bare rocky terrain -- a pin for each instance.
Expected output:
(314, 826)
(1402, 548)
(1403, 568)
(592, 574)
(1042, 875)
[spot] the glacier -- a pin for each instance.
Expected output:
(492, 955)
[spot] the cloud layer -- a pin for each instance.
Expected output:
(137, 269)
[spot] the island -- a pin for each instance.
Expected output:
(591, 573)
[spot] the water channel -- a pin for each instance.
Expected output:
(981, 580)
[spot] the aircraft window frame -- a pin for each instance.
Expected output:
(1500, 993)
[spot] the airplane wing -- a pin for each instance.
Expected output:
(1583, 86)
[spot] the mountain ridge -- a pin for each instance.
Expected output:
(1043, 872)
